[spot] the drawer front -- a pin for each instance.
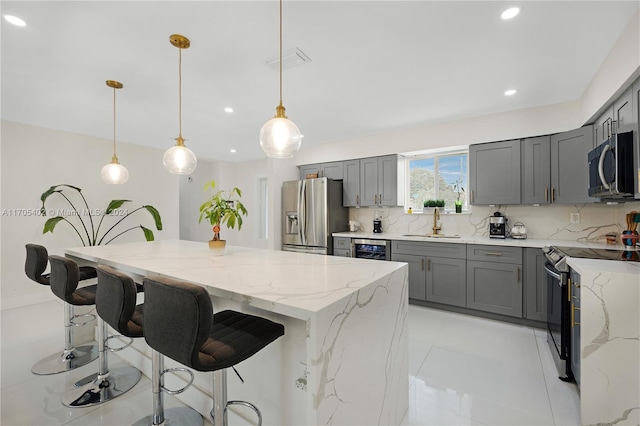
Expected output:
(448, 250)
(499, 254)
(342, 243)
(342, 252)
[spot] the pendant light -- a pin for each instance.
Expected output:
(179, 159)
(280, 137)
(114, 172)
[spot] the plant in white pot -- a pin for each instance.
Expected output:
(222, 209)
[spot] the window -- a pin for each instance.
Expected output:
(438, 177)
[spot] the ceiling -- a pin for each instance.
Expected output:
(375, 66)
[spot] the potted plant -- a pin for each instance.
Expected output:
(222, 209)
(457, 187)
(81, 218)
(430, 203)
(440, 203)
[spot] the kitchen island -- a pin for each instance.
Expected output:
(343, 359)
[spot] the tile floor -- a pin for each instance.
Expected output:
(463, 370)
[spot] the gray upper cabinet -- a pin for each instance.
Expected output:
(536, 170)
(494, 173)
(379, 181)
(623, 112)
(535, 297)
(494, 279)
(332, 170)
(569, 166)
(351, 184)
(602, 126)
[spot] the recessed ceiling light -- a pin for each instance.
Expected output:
(233, 151)
(510, 13)
(228, 109)
(510, 92)
(14, 20)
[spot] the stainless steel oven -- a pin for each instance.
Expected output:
(558, 317)
(371, 249)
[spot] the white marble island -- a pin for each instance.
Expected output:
(609, 341)
(345, 327)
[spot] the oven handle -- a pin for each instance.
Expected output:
(606, 148)
(553, 274)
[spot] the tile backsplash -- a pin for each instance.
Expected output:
(550, 222)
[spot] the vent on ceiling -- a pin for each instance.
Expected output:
(290, 58)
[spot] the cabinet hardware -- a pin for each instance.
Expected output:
(553, 194)
(573, 316)
(428, 264)
(472, 196)
(358, 200)
(569, 292)
(493, 253)
(546, 194)
(422, 264)
(518, 274)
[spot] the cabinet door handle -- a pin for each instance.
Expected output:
(573, 316)
(569, 289)
(472, 195)
(428, 264)
(422, 264)
(493, 253)
(553, 194)
(518, 274)
(375, 199)
(358, 200)
(546, 194)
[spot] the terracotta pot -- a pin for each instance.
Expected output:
(217, 247)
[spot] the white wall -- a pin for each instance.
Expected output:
(192, 195)
(33, 159)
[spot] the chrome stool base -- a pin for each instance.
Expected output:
(66, 360)
(178, 416)
(103, 389)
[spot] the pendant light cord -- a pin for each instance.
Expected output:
(280, 52)
(180, 92)
(115, 157)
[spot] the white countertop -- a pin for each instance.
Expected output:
(529, 242)
(596, 266)
(293, 284)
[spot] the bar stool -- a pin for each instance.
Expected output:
(116, 306)
(71, 357)
(179, 323)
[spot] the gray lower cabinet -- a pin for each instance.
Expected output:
(494, 173)
(342, 246)
(569, 166)
(437, 271)
(535, 297)
(494, 279)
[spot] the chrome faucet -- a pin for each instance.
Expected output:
(436, 216)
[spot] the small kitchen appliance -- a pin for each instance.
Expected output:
(377, 226)
(354, 225)
(497, 226)
(518, 231)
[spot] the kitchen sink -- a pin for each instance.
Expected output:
(432, 235)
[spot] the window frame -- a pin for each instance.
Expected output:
(436, 155)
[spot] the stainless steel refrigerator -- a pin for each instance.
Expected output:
(311, 212)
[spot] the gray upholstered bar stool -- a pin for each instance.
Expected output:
(179, 323)
(71, 356)
(116, 306)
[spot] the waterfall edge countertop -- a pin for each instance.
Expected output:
(292, 284)
(345, 323)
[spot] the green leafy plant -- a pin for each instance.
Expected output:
(457, 187)
(440, 203)
(430, 203)
(222, 209)
(91, 235)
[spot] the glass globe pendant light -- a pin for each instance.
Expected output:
(280, 137)
(114, 172)
(179, 159)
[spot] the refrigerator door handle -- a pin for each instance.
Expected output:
(302, 216)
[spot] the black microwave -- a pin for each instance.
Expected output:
(611, 173)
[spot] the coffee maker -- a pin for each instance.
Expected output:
(377, 226)
(498, 226)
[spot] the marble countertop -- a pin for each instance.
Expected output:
(529, 242)
(292, 284)
(596, 266)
